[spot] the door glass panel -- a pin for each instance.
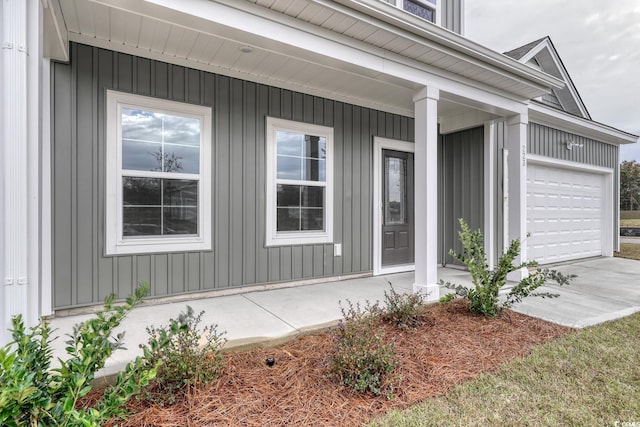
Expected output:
(395, 191)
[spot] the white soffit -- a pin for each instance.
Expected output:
(378, 65)
(56, 43)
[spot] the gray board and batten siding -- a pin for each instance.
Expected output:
(452, 15)
(84, 276)
(461, 188)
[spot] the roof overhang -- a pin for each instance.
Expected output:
(454, 43)
(364, 52)
(552, 117)
(56, 42)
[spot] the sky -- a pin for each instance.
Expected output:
(598, 41)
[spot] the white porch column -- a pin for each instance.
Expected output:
(517, 165)
(20, 129)
(489, 193)
(426, 192)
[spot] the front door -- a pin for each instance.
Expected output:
(397, 208)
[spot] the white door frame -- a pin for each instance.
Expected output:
(608, 230)
(380, 144)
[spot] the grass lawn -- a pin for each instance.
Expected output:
(633, 222)
(589, 377)
(630, 219)
(629, 250)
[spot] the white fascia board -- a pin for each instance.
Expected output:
(561, 120)
(250, 18)
(398, 18)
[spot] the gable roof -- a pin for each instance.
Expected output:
(519, 52)
(542, 54)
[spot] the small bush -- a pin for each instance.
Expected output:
(33, 394)
(403, 309)
(483, 297)
(187, 356)
(361, 359)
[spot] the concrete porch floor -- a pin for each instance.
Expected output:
(605, 289)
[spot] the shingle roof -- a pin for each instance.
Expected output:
(521, 51)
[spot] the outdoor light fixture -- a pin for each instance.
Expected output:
(571, 143)
(246, 49)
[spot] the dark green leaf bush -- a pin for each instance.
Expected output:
(33, 394)
(403, 310)
(187, 356)
(484, 296)
(361, 360)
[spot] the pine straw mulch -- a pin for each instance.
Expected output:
(450, 347)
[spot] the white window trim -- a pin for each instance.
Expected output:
(273, 237)
(435, 7)
(115, 243)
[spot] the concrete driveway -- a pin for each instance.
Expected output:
(605, 289)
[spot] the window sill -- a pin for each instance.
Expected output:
(290, 239)
(148, 246)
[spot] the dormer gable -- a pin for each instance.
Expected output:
(542, 55)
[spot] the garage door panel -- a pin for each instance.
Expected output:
(565, 213)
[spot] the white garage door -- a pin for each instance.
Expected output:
(565, 213)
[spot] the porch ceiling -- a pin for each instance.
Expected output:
(154, 31)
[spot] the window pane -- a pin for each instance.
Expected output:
(395, 191)
(181, 159)
(288, 195)
(314, 170)
(288, 219)
(141, 125)
(419, 10)
(289, 167)
(141, 221)
(178, 192)
(312, 219)
(181, 130)
(300, 208)
(180, 220)
(141, 191)
(289, 143)
(312, 197)
(315, 147)
(141, 156)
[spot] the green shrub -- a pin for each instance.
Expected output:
(35, 395)
(187, 356)
(361, 360)
(483, 297)
(402, 309)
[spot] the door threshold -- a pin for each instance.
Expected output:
(401, 268)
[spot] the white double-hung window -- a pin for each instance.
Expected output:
(299, 183)
(158, 182)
